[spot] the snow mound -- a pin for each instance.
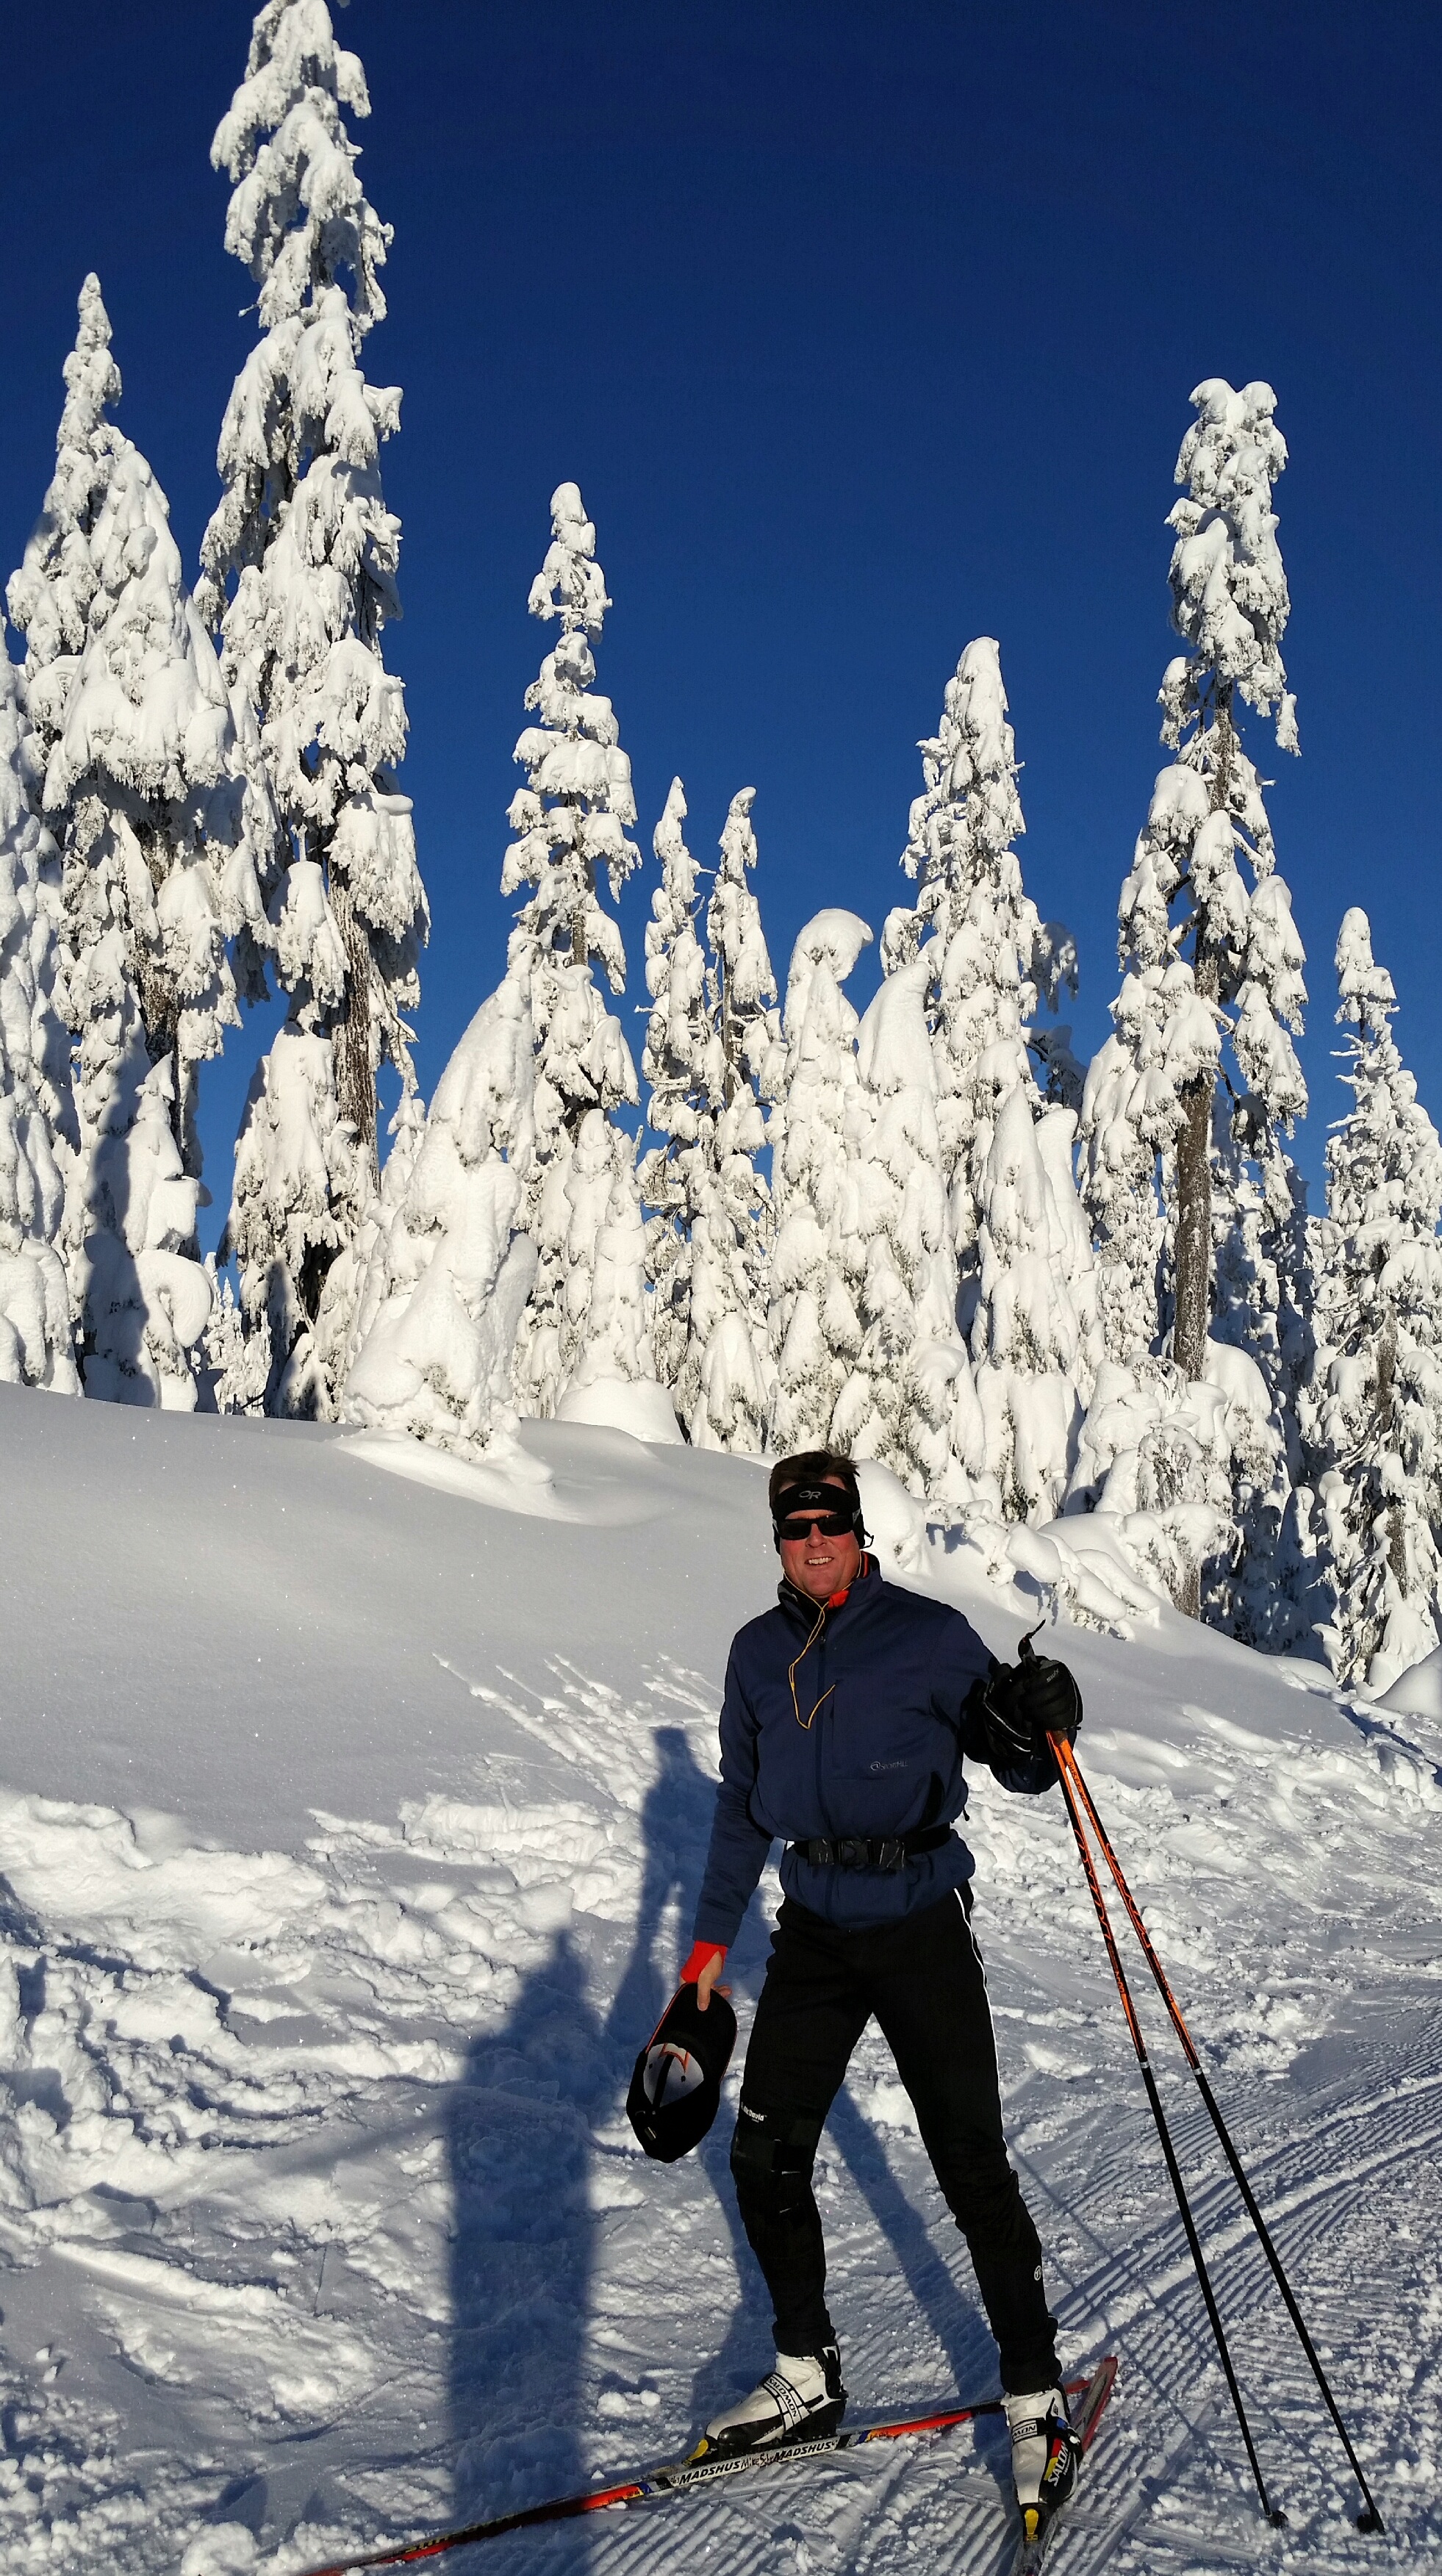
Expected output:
(636, 1405)
(1418, 1691)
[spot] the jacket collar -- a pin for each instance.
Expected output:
(799, 1605)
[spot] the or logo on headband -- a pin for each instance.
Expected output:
(807, 1497)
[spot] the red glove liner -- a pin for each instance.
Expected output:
(702, 1954)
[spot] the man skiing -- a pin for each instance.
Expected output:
(846, 1715)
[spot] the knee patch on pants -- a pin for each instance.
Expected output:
(772, 2154)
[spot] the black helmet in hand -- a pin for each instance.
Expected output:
(676, 2087)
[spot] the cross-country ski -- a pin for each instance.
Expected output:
(681, 2477)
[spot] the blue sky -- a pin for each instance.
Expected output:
(864, 329)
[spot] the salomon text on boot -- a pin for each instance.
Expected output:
(1046, 2455)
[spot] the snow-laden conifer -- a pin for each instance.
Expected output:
(144, 793)
(1030, 1335)
(145, 1294)
(1214, 990)
(822, 1133)
(982, 931)
(36, 1118)
(731, 1289)
(300, 562)
(1377, 1426)
(908, 1398)
(452, 1269)
(711, 1058)
(49, 595)
(570, 821)
(987, 953)
(1229, 966)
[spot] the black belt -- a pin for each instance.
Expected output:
(859, 1851)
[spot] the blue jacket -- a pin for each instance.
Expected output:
(846, 1721)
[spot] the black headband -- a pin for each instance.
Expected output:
(828, 1493)
(817, 1494)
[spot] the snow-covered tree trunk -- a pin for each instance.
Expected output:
(300, 561)
(1376, 1420)
(822, 1134)
(569, 821)
(37, 1131)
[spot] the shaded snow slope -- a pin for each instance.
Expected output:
(349, 1830)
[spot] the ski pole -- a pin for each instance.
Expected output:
(1272, 2513)
(1070, 1768)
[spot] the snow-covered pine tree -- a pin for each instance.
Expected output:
(36, 1338)
(822, 1135)
(680, 1063)
(988, 952)
(1187, 1237)
(452, 1270)
(984, 938)
(49, 596)
(1035, 1302)
(144, 792)
(1377, 1425)
(710, 1057)
(299, 577)
(1230, 967)
(731, 1283)
(908, 1399)
(586, 1317)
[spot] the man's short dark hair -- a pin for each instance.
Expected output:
(811, 1467)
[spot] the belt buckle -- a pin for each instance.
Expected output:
(822, 1853)
(891, 1852)
(852, 1852)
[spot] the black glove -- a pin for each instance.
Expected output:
(1019, 1705)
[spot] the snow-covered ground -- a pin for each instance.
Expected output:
(349, 1829)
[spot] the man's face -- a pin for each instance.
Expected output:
(818, 1565)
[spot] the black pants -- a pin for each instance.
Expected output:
(922, 1979)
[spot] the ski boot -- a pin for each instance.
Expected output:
(1046, 2456)
(802, 2395)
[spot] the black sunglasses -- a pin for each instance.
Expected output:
(801, 1524)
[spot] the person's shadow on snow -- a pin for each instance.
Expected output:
(520, 2137)
(518, 2134)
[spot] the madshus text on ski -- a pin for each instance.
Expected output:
(928, 1236)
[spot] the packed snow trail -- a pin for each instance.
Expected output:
(350, 1827)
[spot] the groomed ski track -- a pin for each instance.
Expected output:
(319, 2219)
